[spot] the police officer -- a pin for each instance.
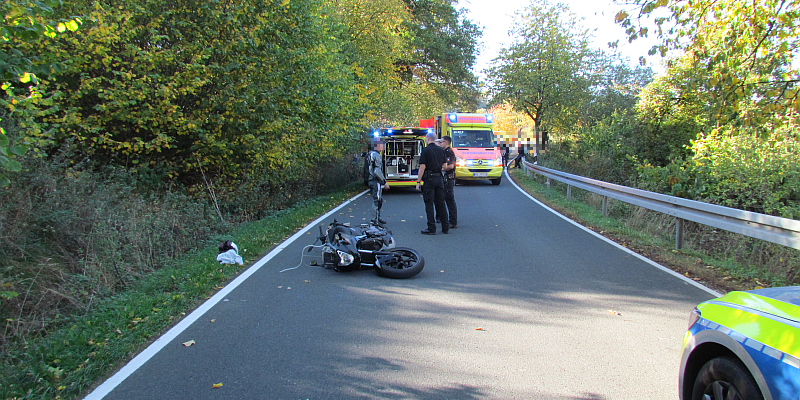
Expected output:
(450, 180)
(432, 161)
(376, 180)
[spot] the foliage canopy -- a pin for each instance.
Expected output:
(544, 72)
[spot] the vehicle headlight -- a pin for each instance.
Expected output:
(345, 259)
(498, 161)
(460, 162)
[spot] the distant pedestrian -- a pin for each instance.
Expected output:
(520, 155)
(450, 181)
(376, 180)
(432, 161)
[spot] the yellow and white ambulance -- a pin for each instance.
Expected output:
(477, 154)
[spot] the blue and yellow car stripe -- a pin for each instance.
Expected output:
(765, 324)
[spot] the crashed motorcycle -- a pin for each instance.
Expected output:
(368, 246)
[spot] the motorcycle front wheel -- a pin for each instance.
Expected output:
(399, 263)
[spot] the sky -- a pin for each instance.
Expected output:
(495, 16)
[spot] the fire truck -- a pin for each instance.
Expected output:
(477, 155)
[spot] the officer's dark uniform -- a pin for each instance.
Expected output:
(433, 157)
(449, 196)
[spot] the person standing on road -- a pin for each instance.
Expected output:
(376, 180)
(450, 181)
(432, 160)
(520, 155)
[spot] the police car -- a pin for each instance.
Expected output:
(744, 345)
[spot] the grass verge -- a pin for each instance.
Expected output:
(651, 235)
(85, 348)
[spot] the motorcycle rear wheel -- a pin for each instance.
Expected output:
(401, 263)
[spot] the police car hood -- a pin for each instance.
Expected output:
(783, 302)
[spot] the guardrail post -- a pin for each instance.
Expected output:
(605, 206)
(569, 192)
(548, 182)
(678, 233)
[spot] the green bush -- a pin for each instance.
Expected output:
(72, 235)
(737, 169)
(195, 86)
(601, 151)
(741, 169)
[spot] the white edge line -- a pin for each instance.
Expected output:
(106, 387)
(613, 243)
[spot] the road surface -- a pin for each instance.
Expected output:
(516, 303)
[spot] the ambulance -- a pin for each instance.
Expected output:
(477, 154)
(403, 146)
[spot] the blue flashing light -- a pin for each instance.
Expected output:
(430, 130)
(489, 118)
(452, 117)
(376, 134)
(389, 131)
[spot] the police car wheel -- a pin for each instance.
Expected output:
(725, 378)
(401, 263)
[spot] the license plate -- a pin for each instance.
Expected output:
(480, 174)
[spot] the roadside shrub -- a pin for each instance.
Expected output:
(675, 179)
(606, 151)
(735, 169)
(69, 236)
(741, 169)
(258, 195)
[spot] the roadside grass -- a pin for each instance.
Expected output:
(722, 261)
(87, 348)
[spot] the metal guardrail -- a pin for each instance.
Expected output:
(783, 231)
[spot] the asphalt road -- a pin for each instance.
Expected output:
(517, 303)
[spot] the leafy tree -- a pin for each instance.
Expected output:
(406, 105)
(671, 114)
(734, 91)
(193, 85)
(376, 33)
(616, 89)
(509, 120)
(25, 23)
(445, 47)
(547, 71)
(745, 50)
